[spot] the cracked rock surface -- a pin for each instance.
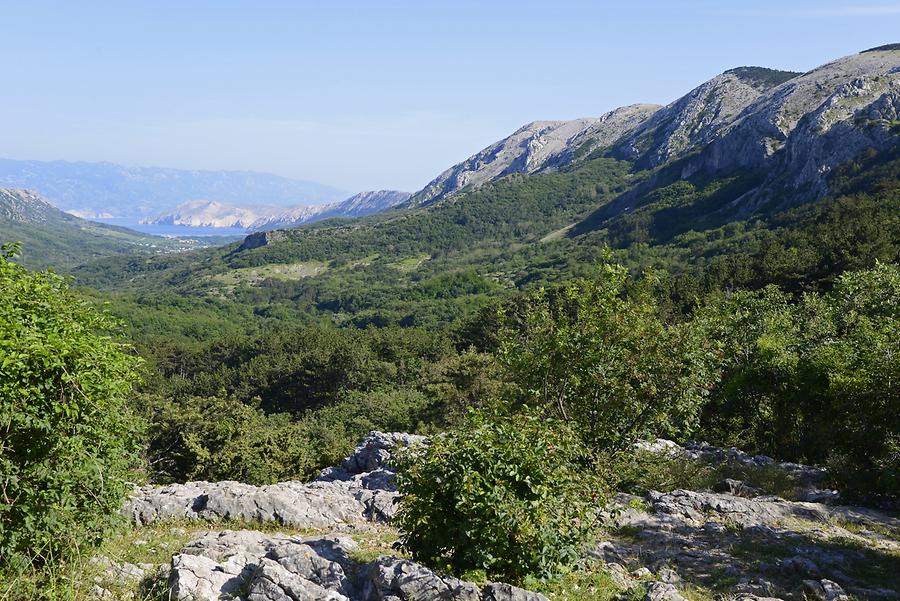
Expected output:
(360, 490)
(252, 566)
(767, 546)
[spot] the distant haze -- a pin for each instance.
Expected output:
(92, 190)
(371, 95)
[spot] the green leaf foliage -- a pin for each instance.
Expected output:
(815, 380)
(600, 357)
(506, 495)
(67, 438)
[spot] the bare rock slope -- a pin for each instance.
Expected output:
(793, 127)
(535, 147)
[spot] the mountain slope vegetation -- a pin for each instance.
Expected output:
(52, 238)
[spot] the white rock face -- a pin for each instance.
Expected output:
(807, 126)
(209, 213)
(358, 205)
(359, 491)
(535, 147)
(698, 117)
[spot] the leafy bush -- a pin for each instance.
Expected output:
(507, 495)
(817, 380)
(592, 354)
(68, 439)
(210, 438)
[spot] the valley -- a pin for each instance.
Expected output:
(651, 355)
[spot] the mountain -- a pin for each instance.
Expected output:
(756, 176)
(107, 189)
(358, 205)
(51, 237)
(535, 147)
(208, 213)
(699, 116)
(784, 144)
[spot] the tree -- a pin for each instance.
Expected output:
(67, 439)
(599, 357)
(814, 379)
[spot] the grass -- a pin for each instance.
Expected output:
(410, 264)
(863, 528)
(275, 271)
(587, 584)
(642, 472)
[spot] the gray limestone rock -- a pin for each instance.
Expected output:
(361, 490)
(499, 591)
(662, 591)
(392, 578)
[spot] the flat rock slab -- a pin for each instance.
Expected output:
(295, 504)
(361, 489)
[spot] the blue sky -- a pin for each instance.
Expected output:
(377, 94)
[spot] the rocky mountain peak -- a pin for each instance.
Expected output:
(803, 128)
(535, 147)
(699, 116)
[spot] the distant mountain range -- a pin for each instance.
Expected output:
(749, 144)
(208, 213)
(93, 190)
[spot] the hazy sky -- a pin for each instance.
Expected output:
(374, 94)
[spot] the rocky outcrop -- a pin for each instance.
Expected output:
(699, 116)
(535, 147)
(767, 545)
(702, 451)
(253, 566)
(360, 490)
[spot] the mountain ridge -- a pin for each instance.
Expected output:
(53, 238)
(210, 213)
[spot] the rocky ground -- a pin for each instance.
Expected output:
(331, 539)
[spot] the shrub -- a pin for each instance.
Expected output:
(600, 357)
(68, 440)
(211, 438)
(817, 380)
(509, 496)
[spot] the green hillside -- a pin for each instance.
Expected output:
(52, 238)
(434, 265)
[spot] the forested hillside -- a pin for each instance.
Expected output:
(537, 354)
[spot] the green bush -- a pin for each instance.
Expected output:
(68, 440)
(507, 495)
(597, 354)
(211, 438)
(816, 380)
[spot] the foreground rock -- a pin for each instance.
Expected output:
(253, 566)
(767, 546)
(360, 490)
(732, 539)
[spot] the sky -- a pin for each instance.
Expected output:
(372, 94)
